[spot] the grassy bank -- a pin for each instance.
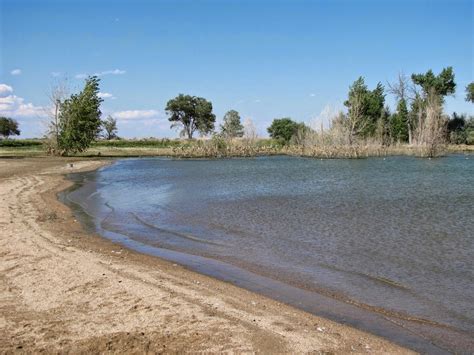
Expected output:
(219, 148)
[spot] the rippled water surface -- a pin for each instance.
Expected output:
(395, 233)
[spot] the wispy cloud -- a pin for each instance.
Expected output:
(16, 72)
(102, 73)
(136, 114)
(15, 106)
(55, 74)
(106, 95)
(312, 94)
(5, 90)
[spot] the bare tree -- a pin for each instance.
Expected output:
(355, 118)
(250, 131)
(431, 134)
(58, 92)
(400, 89)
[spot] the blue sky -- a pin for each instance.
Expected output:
(265, 59)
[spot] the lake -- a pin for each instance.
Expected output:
(392, 236)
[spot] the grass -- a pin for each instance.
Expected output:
(215, 148)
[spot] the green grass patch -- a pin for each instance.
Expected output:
(20, 143)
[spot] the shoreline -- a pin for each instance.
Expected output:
(64, 289)
(405, 329)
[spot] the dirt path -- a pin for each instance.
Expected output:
(63, 290)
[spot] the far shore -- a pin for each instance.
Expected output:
(205, 148)
(64, 290)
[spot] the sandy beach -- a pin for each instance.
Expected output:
(64, 290)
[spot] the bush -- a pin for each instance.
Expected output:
(12, 143)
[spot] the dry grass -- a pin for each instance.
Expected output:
(318, 147)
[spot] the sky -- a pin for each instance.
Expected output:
(265, 59)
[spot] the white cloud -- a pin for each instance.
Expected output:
(106, 95)
(16, 72)
(15, 106)
(258, 100)
(102, 73)
(135, 114)
(5, 90)
(55, 74)
(312, 94)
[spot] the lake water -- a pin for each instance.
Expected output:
(393, 236)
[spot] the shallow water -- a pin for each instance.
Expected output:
(394, 233)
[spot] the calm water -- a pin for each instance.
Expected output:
(396, 234)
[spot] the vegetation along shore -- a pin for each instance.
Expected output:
(418, 126)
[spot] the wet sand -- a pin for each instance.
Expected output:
(65, 290)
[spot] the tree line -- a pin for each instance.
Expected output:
(417, 119)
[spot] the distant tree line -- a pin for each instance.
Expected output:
(418, 118)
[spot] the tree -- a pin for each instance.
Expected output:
(58, 92)
(192, 114)
(79, 118)
(284, 129)
(364, 108)
(441, 85)
(400, 122)
(470, 92)
(232, 126)
(109, 126)
(400, 90)
(250, 131)
(8, 127)
(456, 129)
(383, 131)
(428, 108)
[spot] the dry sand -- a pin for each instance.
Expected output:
(63, 290)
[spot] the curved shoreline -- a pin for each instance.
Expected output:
(418, 334)
(64, 289)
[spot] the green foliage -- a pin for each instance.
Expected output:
(367, 105)
(470, 130)
(470, 92)
(20, 143)
(79, 119)
(232, 126)
(442, 84)
(8, 127)
(399, 122)
(192, 114)
(109, 126)
(456, 129)
(417, 110)
(284, 129)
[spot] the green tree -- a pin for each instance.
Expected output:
(8, 127)
(441, 85)
(192, 114)
(232, 126)
(400, 122)
(364, 108)
(470, 92)
(109, 126)
(79, 119)
(456, 129)
(284, 129)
